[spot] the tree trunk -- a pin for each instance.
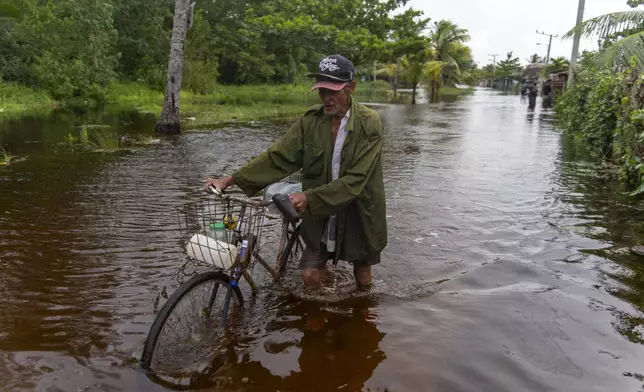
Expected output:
(413, 93)
(397, 76)
(434, 95)
(169, 122)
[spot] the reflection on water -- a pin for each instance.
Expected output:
(509, 264)
(303, 347)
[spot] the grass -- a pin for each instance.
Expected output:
(231, 103)
(5, 156)
(449, 91)
(15, 98)
(227, 104)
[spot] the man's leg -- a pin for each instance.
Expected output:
(362, 270)
(313, 266)
(362, 273)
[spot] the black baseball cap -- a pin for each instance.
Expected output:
(334, 72)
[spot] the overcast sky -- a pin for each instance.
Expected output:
(500, 26)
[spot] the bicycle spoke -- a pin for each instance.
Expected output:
(190, 327)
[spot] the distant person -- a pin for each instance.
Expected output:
(338, 147)
(546, 93)
(524, 88)
(533, 92)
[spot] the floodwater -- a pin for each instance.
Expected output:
(509, 265)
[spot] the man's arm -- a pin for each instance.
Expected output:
(332, 197)
(281, 159)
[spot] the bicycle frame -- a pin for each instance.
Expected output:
(250, 250)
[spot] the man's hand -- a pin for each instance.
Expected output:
(299, 201)
(220, 183)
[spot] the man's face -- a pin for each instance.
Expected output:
(336, 102)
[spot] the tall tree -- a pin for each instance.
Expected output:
(169, 122)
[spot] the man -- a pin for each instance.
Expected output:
(524, 88)
(532, 94)
(546, 92)
(338, 146)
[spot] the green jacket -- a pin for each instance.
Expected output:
(357, 196)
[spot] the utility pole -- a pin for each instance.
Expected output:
(576, 39)
(493, 55)
(540, 44)
(549, 43)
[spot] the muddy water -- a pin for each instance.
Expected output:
(508, 267)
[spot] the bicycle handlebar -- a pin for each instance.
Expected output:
(241, 200)
(281, 201)
(286, 207)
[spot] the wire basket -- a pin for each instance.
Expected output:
(212, 231)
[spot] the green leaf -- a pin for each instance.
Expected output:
(638, 191)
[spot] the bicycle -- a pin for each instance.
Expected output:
(228, 256)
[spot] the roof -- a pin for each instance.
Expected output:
(533, 70)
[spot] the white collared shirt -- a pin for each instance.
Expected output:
(330, 235)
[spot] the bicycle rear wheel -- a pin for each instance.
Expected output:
(184, 331)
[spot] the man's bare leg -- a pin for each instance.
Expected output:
(314, 278)
(362, 274)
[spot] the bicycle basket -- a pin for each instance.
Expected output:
(212, 230)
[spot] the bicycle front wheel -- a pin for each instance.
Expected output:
(182, 335)
(292, 250)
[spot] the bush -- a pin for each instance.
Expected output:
(604, 112)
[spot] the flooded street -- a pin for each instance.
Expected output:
(509, 265)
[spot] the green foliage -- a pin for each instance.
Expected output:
(144, 29)
(74, 50)
(16, 97)
(601, 116)
(94, 138)
(604, 111)
(201, 66)
(5, 156)
(510, 68)
(65, 47)
(556, 65)
(623, 36)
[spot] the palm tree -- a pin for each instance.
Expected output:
(389, 70)
(534, 59)
(629, 25)
(447, 41)
(432, 72)
(557, 64)
(412, 67)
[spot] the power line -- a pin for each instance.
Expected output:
(549, 43)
